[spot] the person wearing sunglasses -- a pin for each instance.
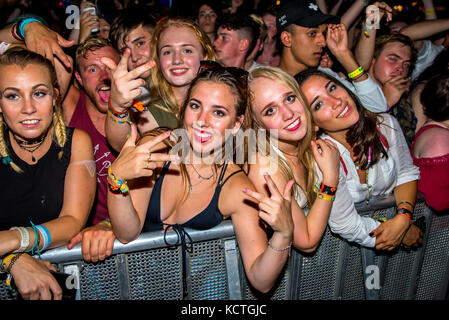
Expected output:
(178, 47)
(202, 188)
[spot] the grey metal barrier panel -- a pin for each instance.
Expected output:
(147, 269)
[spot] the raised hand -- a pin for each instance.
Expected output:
(337, 38)
(276, 209)
(328, 159)
(136, 161)
(125, 84)
(42, 40)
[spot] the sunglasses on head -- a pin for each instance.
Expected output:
(211, 65)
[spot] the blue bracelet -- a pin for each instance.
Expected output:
(45, 236)
(23, 23)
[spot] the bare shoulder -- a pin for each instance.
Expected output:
(433, 142)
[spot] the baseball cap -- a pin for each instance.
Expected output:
(303, 13)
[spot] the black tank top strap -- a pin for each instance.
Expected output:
(221, 183)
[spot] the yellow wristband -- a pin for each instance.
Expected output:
(6, 261)
(324, 196)
(356, 72)
(429, 12)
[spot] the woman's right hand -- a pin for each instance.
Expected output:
(275, 209)
(34, 280)
(135, 161)
(328, 160)
(125, 84)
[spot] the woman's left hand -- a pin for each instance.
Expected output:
(390, 233)
(275, 210)
(97, 242)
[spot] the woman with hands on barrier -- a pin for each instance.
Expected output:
(178, 45)
(49, 169)
(201, 189)
(374, 155)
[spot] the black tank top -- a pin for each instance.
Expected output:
(206, 219)
(37, 193)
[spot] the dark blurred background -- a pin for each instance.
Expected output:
(53, 11)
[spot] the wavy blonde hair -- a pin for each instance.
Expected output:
(22, 57)
(159, 86)
(305, 153)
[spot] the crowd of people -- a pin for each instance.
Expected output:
(353, 102)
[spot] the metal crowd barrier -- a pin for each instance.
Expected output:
(149, 269)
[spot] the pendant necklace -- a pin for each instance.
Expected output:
(30, 146)
(199, 177)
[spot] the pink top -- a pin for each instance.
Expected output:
(434, 181)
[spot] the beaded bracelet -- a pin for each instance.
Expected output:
(113, 189)
(279, 250)
(118, 182)
(113, 118)
(13, 260)
(107, 222)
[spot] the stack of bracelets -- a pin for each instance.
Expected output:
(118, 117)
(18, 29)
(325, 192)
(115, 185)
(8, 261)
(404, 211)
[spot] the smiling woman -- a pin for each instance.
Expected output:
(375, 157)
(48, 168)
(195, 193)
(179, 46)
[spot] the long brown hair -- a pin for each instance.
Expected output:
(364, 136)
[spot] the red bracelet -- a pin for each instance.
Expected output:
(14, 33)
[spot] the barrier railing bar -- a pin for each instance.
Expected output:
(341, 270)
(232, 267)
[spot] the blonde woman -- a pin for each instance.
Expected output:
(49, 170)
(178, 45)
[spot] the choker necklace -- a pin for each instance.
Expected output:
(30, 146)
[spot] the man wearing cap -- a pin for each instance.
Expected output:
(302, 29)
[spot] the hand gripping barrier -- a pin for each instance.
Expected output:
(149, 269)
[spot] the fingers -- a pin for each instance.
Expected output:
(75, 240)
(108, 62)
(137, 72)
(155, 141)
(287, 195)
(274, 191)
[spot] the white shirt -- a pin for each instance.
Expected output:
(383, 177)
(368, 91)
(344, 218)
(425, 58)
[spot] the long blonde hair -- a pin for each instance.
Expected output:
(160, 88)
(305, 153)
(22, 57)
